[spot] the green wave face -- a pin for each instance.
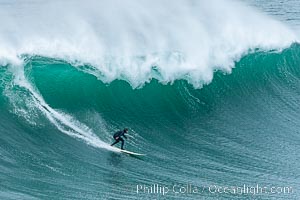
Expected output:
(242, 128)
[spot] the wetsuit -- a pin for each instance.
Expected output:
(118, 137)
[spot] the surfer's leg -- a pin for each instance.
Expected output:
(122, 143)
(115, 142)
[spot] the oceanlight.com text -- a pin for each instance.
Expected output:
(177, 189)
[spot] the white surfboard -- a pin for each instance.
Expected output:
(132, 153)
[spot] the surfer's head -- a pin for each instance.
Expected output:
(125, 130)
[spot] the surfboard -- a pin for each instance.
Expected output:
(132, 153)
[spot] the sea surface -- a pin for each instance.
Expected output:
(209, 90)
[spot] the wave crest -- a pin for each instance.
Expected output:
(140, 40)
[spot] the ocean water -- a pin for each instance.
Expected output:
(209, 90)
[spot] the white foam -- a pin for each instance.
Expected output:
(34, 101)
(187, 39)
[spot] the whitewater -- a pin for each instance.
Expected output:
(140, 40)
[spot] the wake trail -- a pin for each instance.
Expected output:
(62, 121)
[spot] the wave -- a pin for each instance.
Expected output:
(46, 60)
(242, 128)
(51, 91)
(136, 40)
(209, 91)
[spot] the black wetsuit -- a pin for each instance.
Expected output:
(118, 137)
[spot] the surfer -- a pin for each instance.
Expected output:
(118, 137)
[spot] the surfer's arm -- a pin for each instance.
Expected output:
(125, 136)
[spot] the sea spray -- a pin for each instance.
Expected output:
(139, 40)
